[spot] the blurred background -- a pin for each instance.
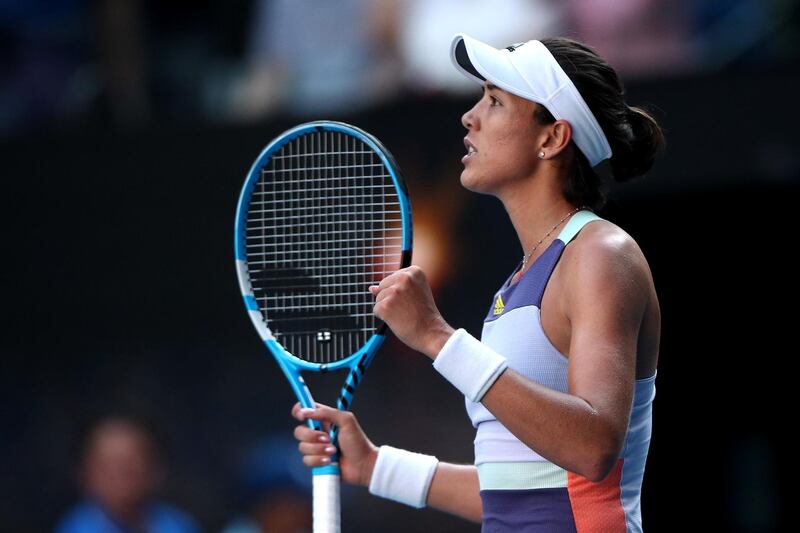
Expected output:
(126, 129)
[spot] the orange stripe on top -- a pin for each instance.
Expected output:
(597, 507)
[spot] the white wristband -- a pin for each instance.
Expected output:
(467, 363)
(402, 476)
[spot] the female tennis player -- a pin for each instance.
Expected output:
(560, 386)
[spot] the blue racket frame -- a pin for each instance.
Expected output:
(292, 366)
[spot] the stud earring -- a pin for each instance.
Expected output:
(541, 154)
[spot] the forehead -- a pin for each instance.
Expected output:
(118, 434)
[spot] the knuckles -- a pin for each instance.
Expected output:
(416, 273)
(402, 279)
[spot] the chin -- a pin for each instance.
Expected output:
(473, 183)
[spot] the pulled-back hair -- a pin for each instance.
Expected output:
(634, 135)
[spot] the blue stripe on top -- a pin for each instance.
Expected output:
(529, 290)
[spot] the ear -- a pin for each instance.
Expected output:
(558, 138)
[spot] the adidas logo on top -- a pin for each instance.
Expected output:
(499, 306)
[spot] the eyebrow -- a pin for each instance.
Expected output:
(490, 87)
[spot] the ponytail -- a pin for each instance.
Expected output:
(635, 137)
(644, 142)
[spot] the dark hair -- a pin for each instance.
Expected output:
(634, 135)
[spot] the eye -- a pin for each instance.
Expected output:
(494, 101)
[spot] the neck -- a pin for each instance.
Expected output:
(535, 205)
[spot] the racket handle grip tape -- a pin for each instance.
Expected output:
(326, 501)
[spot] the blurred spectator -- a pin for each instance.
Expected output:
(429, 25)
(130, 62)
(44, 50)
(638, 37)
(316, 57)
(754, 31)
(123, 60)
(62, 59)
(274, 489)
(120, 476)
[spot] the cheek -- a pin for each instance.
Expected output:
(515, 143)
(515, 151)
(507, 154)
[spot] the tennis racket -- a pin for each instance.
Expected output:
(324, 213)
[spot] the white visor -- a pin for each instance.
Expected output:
(530, 71)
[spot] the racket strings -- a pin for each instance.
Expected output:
(322, 225)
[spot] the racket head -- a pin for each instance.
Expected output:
(324, 206)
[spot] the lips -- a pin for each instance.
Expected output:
(471, 150)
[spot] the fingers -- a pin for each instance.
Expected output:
(316, 445)
(395, 277)
(386, 293)
(388, 286)
(390, 280)
(396, 280)
(316, 454)
(306, 434)
(297, 411)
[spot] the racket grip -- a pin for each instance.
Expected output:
(326, 503)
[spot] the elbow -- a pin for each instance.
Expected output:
(476, 518)
(599, 470)
(476, 511)
(602, 461)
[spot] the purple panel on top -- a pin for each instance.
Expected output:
(527, 511)
(530, 287)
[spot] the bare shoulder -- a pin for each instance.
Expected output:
(606, 258)
(606, 269)
(603, 241)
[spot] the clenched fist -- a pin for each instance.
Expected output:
(404, 301)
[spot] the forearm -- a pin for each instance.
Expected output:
(563, 428)
(421, 480)
(455, 490)
(567, 429)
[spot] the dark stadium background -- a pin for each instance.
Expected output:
(119, 291)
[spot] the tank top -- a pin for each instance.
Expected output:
(513, 328)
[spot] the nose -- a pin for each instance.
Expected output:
(470, 119)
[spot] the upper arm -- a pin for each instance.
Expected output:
(605, 300)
